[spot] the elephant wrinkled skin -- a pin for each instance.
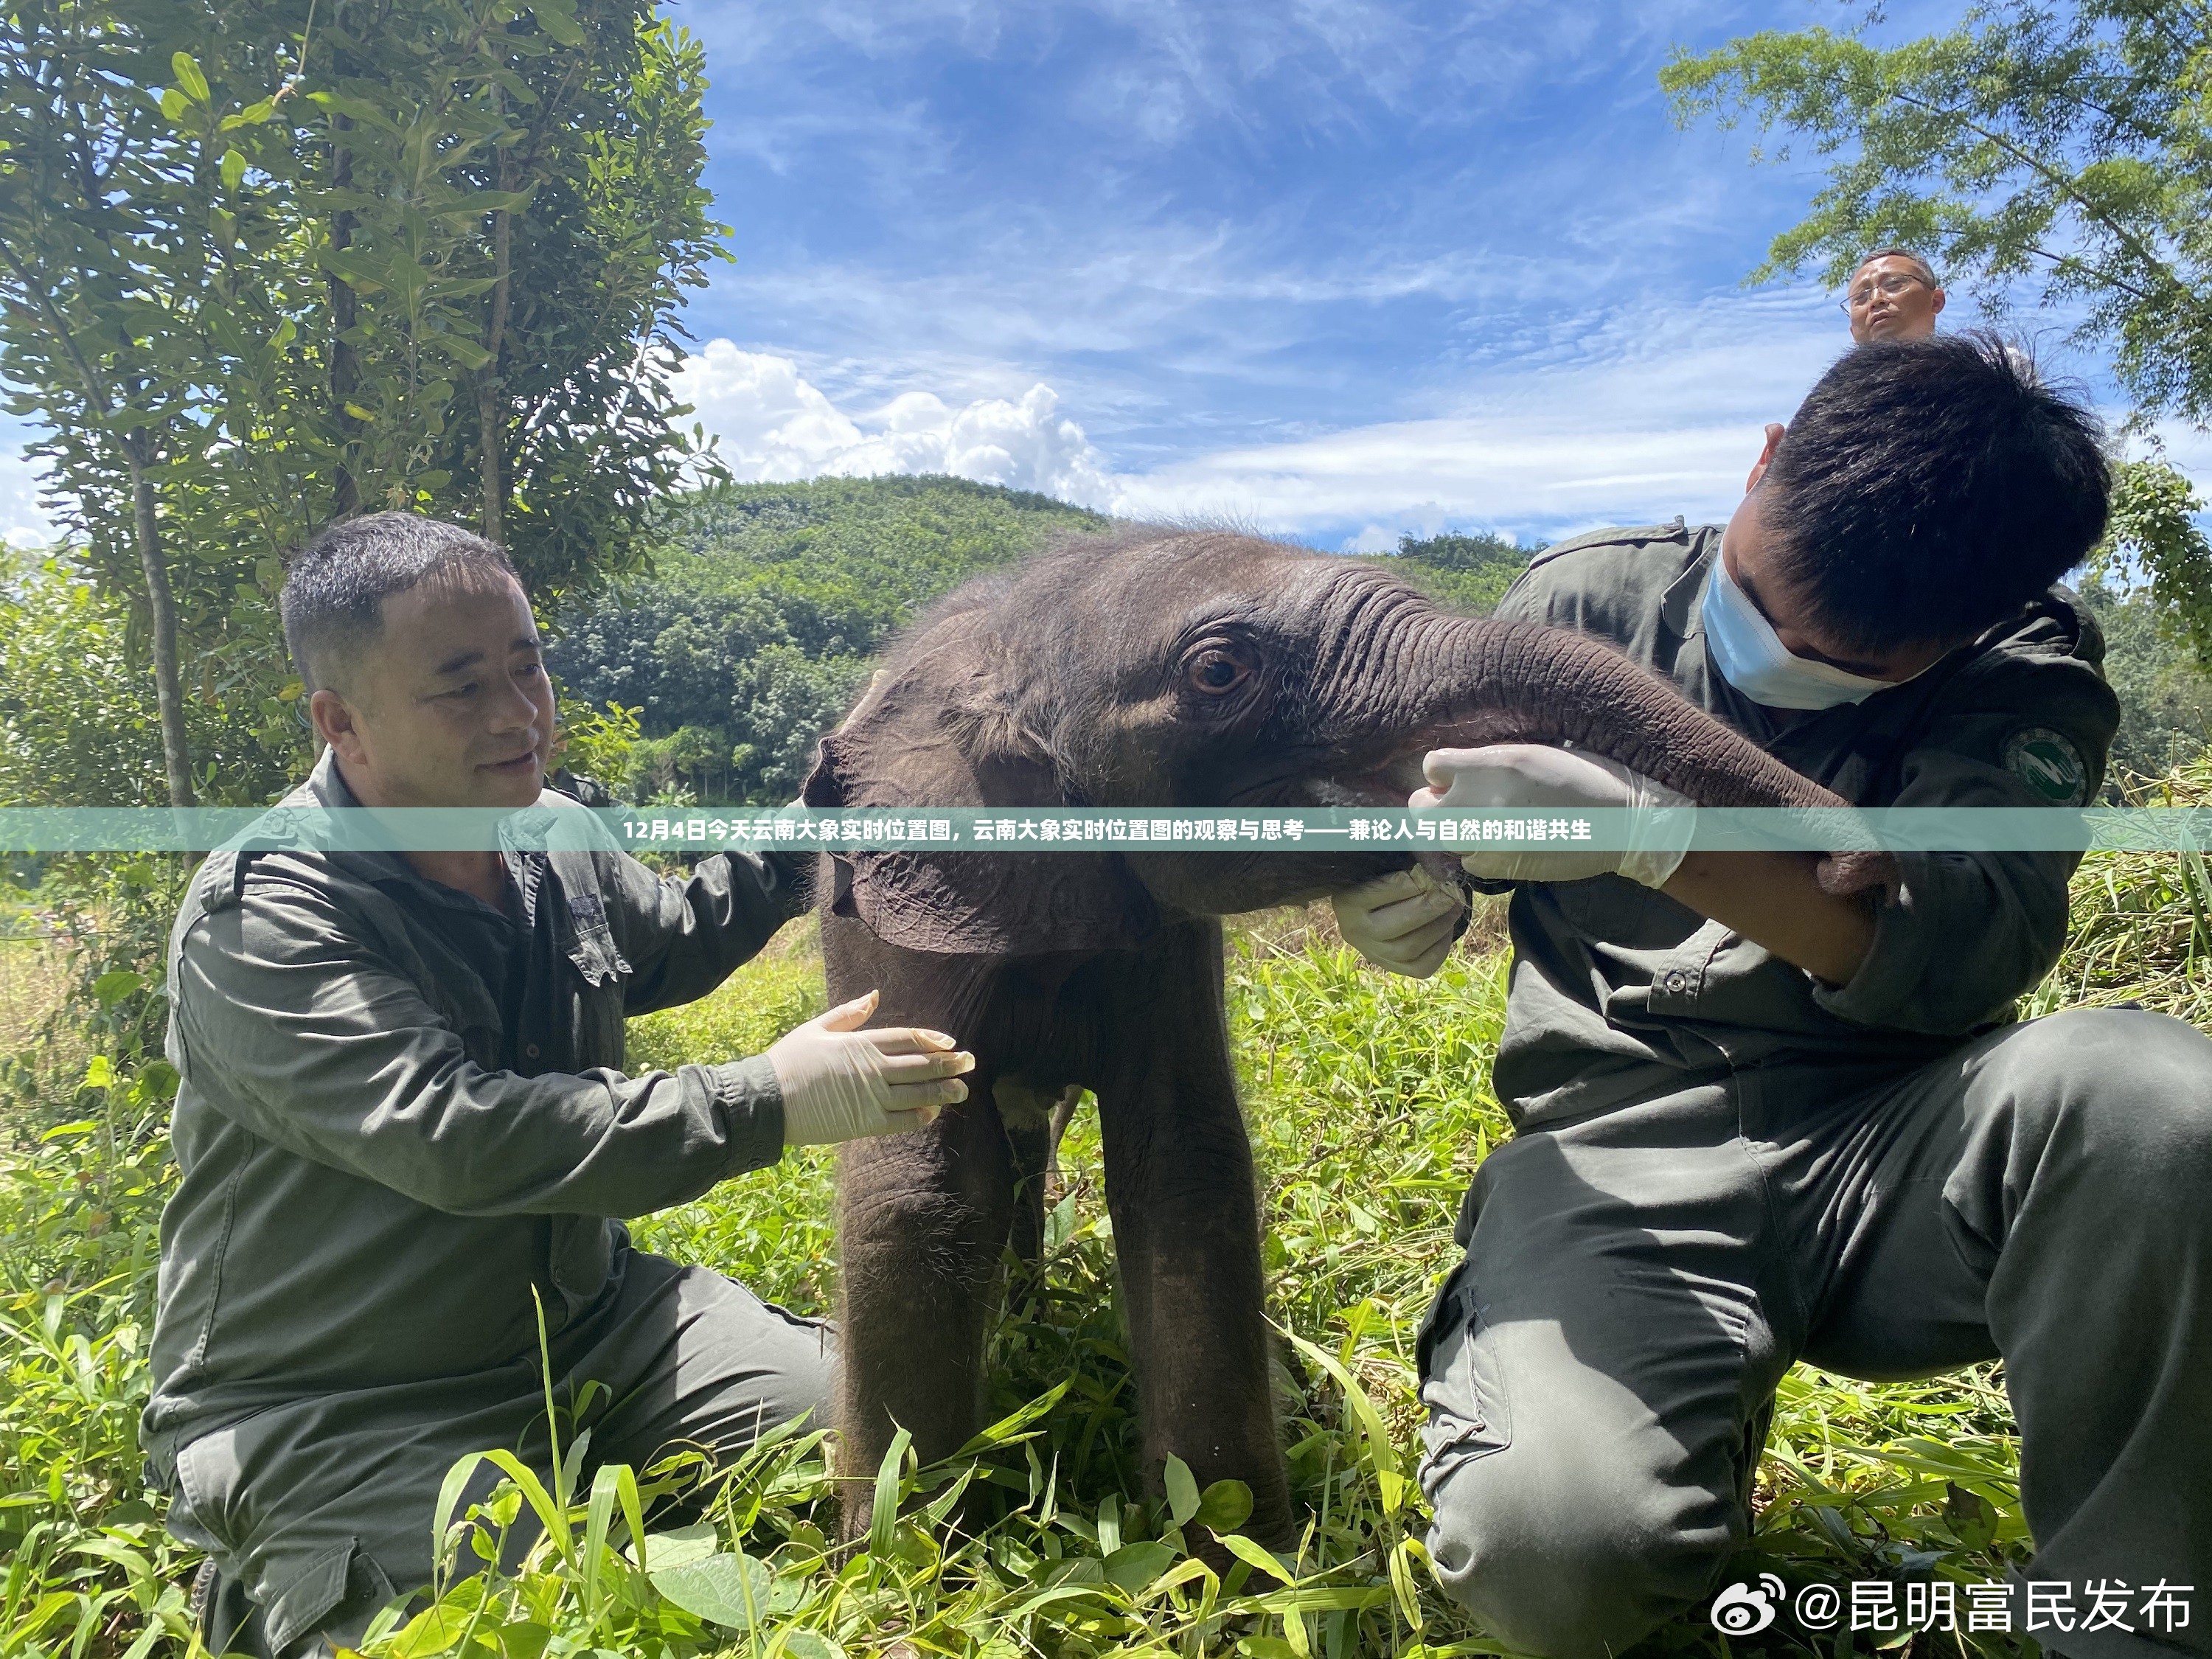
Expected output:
(1154, 669)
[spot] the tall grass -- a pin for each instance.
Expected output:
(1370, 1105)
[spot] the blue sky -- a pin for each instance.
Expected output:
(1339, 271)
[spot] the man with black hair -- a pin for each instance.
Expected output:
(1759, 1123)
(404, 1133)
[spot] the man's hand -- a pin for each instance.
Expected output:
(1404, 922)
(1531, 775)
(841, 1083)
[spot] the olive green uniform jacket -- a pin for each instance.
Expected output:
(403, 1127)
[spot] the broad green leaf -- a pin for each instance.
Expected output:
(111, 987)
(251, 116)
(558, 20)
(190, 80)
(1059, 1225)
(805, 1644)
(233, 169)
(435, 1630)
(730, 1591)
(1225, 1506)
(465, 351)
(1182, 1490)
(682, 1546)
(1135, 1566)
(99, 1073)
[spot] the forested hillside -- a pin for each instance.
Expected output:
(766, 601)
(764, 605)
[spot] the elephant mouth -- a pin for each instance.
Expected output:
(1386, 785)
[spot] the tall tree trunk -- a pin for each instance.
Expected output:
(168, 690)
(491, 399)
(345, 368)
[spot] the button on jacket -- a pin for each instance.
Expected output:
(401, 1111)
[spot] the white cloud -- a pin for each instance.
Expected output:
(21, 522)
(774, 424)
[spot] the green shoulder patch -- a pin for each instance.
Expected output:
(2048, 763)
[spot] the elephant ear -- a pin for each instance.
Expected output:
(996, 904)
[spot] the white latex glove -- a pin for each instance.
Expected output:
(1507, 776)
(1404, 921)
(841, 1083)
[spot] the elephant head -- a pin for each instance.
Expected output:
(1158, 668)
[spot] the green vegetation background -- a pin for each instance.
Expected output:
(1368, 1097)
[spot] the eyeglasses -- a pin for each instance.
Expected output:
(1890, 285)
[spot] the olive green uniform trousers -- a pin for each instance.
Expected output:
(1599, 1370)
(318, 1512)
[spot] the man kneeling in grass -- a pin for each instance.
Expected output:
(404, 1131)
(1757, 1123)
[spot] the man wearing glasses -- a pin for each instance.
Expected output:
(1893, 296)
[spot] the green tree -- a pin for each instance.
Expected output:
(2065, 148)
(1469, 572)
(266, 262)
(764, 607)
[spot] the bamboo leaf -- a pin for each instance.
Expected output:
(1249, 1552)
(1015, 1421)
(883, 1523)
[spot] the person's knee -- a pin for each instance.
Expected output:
(1566, 1575)
(2123, 1098)
(800, 1374)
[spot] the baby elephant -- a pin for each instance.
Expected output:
(1151, 669)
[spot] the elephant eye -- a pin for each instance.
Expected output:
(1217, 669)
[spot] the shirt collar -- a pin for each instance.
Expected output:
(326, 787)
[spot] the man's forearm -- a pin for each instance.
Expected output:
(1773, 900)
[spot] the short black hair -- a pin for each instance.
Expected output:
(336, 585)
(1927, 489)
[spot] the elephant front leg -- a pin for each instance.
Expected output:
(921, 1221)
(1179, 1183)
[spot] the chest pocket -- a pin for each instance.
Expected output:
(595, 969)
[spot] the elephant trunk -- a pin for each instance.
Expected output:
(1481, 680)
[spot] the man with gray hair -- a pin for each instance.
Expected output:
(405, 1135)
(1893, 296)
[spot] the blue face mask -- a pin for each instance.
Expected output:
(1743, 646)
